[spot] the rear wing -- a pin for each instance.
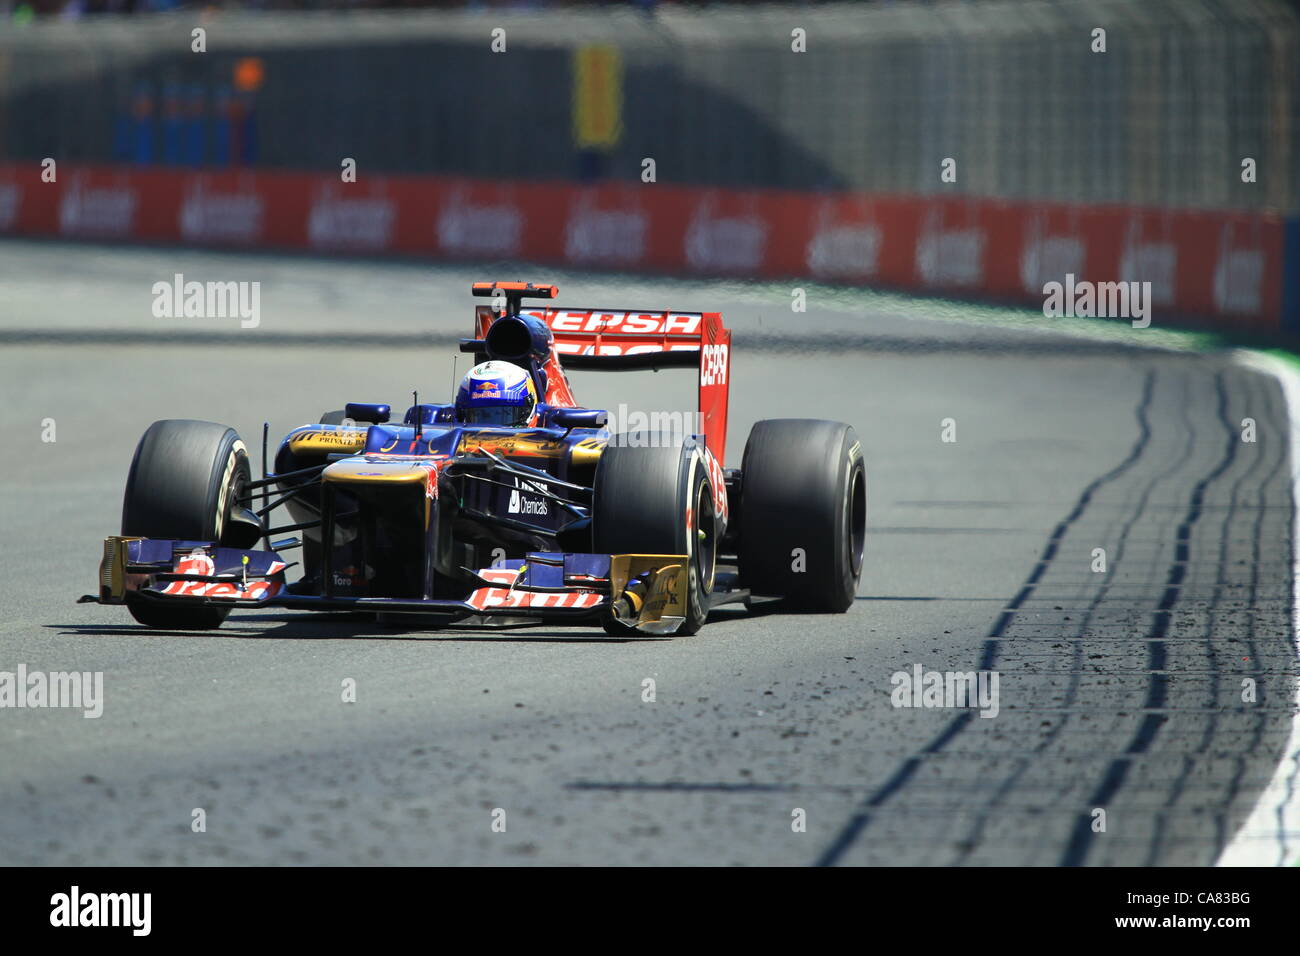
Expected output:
(617, 340)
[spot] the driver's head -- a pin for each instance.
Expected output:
(496, 393)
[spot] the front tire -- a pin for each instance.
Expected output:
(185, 480)
(803, 513)
(658, 500)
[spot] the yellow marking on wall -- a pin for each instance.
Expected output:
(597, 97)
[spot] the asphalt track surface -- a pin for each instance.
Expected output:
(1118, 690)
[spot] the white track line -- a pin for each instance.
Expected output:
(1271, 834)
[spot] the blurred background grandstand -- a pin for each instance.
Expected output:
(1160, 110)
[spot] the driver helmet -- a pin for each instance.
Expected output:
(496, 393)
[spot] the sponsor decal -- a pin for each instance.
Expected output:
(348, 577)
(613, 348)
(305, 441)
(1238, 279)
(719, 483)
(521, 504)
(576, 331)
(724, 243)
(97, 210)
(561, 321)
(1155, 262)
(949, 257)
(1048, 258)
(713, 370)
(485, 598)
(842, 250)
(1238, 276)
(207, 216)
(197, 562)
(467, 228)
(663, 594)
(499, 575)
(337, 222)
(604, 236)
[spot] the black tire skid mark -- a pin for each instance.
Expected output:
(862, 816)
(1116, 554)
(1080, 841)
(1262, 716)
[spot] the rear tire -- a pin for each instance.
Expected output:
(185, 479)
(803, 489)
(640, 506)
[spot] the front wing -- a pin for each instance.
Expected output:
(644, 591)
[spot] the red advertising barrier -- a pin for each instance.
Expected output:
(1223, 267)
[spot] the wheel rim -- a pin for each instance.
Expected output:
(856, 513)
(704, 545)
(232, 488)
(233, 495)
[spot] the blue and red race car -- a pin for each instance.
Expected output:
(484, 517)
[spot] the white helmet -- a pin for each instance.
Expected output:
(496, 393)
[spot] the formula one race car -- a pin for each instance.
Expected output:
(513, 505)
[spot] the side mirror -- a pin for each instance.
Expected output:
(579, 418)
(372, 412)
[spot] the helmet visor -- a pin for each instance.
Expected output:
(496, 415)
